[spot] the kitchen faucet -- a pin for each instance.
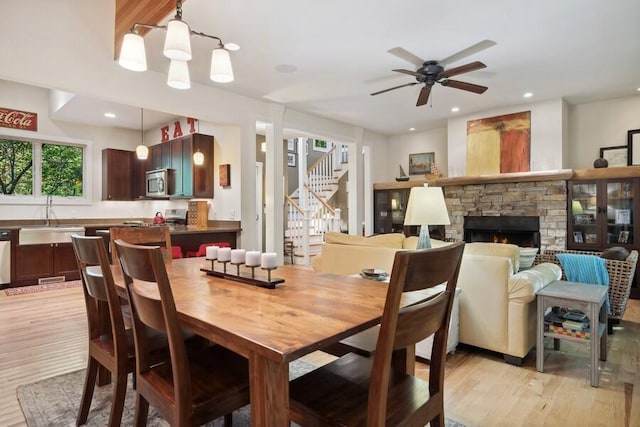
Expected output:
(49, 205)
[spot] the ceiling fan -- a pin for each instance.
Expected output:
(431, 72)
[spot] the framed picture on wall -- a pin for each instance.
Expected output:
(633, 144)
(291, 145)
(615, 156)
(321, 145)
(420, 164)
(291, 160)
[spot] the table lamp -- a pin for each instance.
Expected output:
(426, 206)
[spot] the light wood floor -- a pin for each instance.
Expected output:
(43, 335)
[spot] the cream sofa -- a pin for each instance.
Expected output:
(497, 302)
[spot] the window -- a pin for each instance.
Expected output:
(41, 168)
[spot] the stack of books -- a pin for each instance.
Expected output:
(572, 323)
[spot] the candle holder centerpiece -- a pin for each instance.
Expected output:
(238, 257)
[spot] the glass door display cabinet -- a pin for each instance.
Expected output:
(602, 214)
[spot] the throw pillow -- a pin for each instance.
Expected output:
(616, 252)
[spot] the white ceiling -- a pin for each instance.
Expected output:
(579, 50)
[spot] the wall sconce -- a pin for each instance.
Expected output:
(198, 158)
(142, 151)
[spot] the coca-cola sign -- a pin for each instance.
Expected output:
(17, 119)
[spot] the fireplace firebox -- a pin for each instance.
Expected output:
(523, 231)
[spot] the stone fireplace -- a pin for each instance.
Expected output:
(542, 195)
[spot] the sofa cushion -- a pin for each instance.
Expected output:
(495, 249)
(391, 240)
(412, 241)
(615, 252)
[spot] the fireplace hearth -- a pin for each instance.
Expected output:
(523, 231)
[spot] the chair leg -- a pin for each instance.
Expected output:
(438, 421)
(228, 420)
(87, 393)
(117, 399)
(142, 411)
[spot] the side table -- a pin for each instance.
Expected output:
(585, 297)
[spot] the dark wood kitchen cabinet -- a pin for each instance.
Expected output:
(117, 174)
(190, 180)
(33, 262)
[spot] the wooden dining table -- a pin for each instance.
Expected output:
(272, 327)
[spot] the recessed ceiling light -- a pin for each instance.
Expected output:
(528, 95)
(110, 115)
(638, 89)
(412, 129)
(455, 109)
(286, 68)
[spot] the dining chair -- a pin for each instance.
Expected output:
(110, 344)
(157, 235)
(375, 391)
(193, 387)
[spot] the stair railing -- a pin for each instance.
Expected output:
(320, 174)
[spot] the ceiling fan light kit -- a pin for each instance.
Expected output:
(431, 72)
(177, 47)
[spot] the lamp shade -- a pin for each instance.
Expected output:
(178, 77)
(132, 53)
(177, 43)
(142, 152)
(426, 206)
(221, 70)
(576, 207)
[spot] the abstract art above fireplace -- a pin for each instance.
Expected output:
(499, 144)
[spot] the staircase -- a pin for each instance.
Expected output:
(309, 210)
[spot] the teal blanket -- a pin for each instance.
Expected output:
(585, 269)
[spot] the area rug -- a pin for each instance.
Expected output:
(55, 401)
(41, 288)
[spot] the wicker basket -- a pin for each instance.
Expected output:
(620, 276)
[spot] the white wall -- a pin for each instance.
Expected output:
(547, 136)
(401, 146)
(600, 124)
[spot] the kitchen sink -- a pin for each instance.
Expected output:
(48, 234)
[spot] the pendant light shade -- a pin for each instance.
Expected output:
(198, 158)
(221, 70)
(179, 75)
(142, 152)
(132, 54)
(177, 43)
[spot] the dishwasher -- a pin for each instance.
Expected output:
(5, 257)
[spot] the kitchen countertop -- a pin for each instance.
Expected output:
(181, 229)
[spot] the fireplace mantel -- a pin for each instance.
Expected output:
(552, 175)
(560, 174)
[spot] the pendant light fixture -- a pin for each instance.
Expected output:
(142, 151)
(177, 47)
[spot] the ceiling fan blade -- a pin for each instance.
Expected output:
(477, 65)
(393, 88)
(423, 97)
(484, 44)
(407, 56)
(464, 86)
(411, 73)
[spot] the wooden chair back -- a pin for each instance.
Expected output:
(220, 382)
(148, 236)
(146, 264)
(381, 390)
(109, 345)
(403, 327)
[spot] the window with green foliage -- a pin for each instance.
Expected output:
(37, 168)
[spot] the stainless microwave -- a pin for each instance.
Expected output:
(159, 182)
